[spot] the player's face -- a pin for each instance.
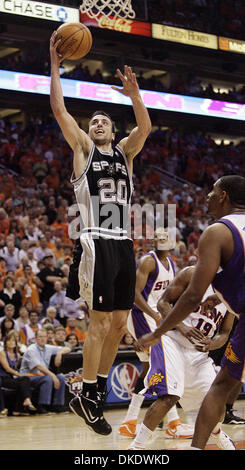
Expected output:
(100, 130)
(161, 240)
(214, 201)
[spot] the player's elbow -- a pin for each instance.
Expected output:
(194, 298)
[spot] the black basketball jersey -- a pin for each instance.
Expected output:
(103, 193)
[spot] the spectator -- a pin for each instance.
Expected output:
(32, 261)
(8, 295)
(127, 342)
(72, 340)
(13, 379)
(30, 290)
(24, 249)
(58, 249)
(57, 300)
(49, 275)
(71, 327)
(28, 332)
(42, 251)
(40, 311)
(21, 348)
(194, 236)
(180, 246)
(1, 341)
(8, 313)
(3, 272)
(36, 364)
(50, 331)
(51, 317)
(11, 254)
(7, 325)
(4, 222)
(60, 336)
(23, 318)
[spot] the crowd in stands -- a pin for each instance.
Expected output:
(35, 247)
(219, 17)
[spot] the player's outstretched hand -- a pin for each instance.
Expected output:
(55, 57)
(129, 82)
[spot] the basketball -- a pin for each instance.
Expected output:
(76, 40)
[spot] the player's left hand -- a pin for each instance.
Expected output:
(129, 82)
(204, 345)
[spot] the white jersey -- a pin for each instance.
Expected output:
(139, 323)
(207, 323)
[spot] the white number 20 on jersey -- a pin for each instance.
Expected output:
(112, 191)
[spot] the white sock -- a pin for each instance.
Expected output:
(143, 436)
(195, 448)
(134, 407)
(172, 414)
(217, 428)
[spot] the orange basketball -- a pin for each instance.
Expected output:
(76, 40)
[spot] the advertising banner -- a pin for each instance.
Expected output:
(100, 92)
(232, 45)
(40, 10)
(122, 25)
(184, 36)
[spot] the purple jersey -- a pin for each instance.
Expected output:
(229, 282)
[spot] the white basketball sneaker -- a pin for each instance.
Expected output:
(223, 441)
(177, 430)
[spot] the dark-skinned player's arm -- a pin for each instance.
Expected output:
(146, 266)
(170, 297)
(211, 244)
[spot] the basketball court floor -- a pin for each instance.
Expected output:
(66, 431)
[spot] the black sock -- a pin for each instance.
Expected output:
(89, 390)
(102, 381)
(139, 385)
(228, 407)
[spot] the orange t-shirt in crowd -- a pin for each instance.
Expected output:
(80, 336)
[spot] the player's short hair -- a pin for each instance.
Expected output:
(234, 185)
(103, 113)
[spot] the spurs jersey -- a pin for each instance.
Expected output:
(139, 323)
(103, 193)
(206, 322)
(229, 282)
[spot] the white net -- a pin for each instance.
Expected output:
(119, 8)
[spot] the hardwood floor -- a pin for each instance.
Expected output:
(67, 432)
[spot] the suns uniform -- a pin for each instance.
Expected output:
(177, 368)
(107, 267)
(140, 323)
(229, 285)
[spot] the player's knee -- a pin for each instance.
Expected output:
(100, 328)
(169, 400)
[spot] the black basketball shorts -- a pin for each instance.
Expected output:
(107, 274)
(72, 290)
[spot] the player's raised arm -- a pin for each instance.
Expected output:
(209, 248)
(136, 139)
(146, 265)
(75, 136)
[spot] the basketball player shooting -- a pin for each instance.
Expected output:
(221, 263)
(102, 180)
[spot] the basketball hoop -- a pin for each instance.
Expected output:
(109, 8)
